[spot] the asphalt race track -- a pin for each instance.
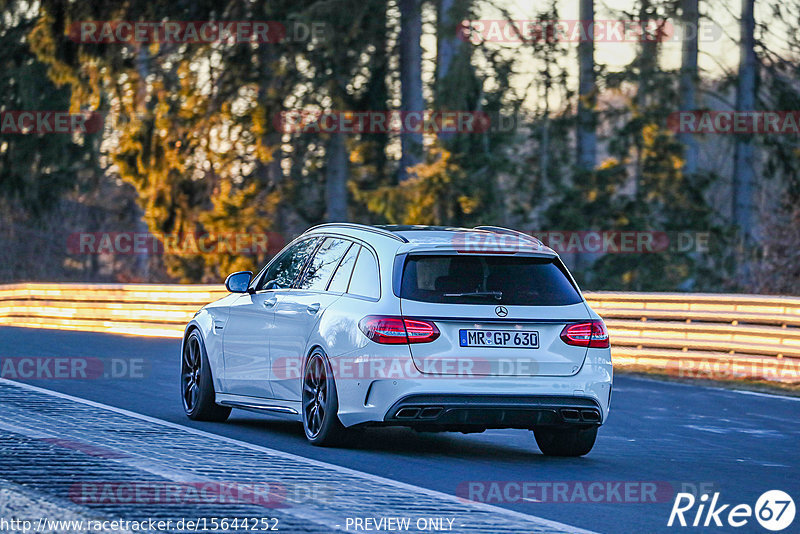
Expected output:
(673, 435)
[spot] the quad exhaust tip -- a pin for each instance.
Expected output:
(572, 415)
(407, 413)
(592, 416)
(431, 412)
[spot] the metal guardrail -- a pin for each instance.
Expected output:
(137, 309)
(720, 336)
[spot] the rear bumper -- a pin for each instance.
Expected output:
(465, 412)
(489, 402)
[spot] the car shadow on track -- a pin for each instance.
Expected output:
(404, 441)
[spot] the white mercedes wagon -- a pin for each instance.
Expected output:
(433, 328)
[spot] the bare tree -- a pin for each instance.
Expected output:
(447, 46)
(689, 77)
(410, 79)
(586, 136)
(647, 61)
(143, 67)
(336, 179)
(447, 41)
(743, 170)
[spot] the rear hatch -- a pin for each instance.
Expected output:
(497, 315)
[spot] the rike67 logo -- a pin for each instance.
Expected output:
(774, 510)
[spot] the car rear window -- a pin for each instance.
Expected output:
(462, 279)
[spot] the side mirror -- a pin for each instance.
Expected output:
(238, 282)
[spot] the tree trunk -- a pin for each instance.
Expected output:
(446, 46)
(143, 68)
(336, 179)
(446, 41)
(586, 136)
(587, 97)
(743, 170)
(648, 54)
(376, 98)
(270, 173)
(544, 144)
(410, 80)
(689, 77)
(648, 62)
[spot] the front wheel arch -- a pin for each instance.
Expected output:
(197, 384)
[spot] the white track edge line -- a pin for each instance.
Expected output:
(433, 493)
(712, 388)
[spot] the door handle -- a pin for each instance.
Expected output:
(270, 303)
(313, 308)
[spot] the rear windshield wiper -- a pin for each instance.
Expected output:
(497, 295)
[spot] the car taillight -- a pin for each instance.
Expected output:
(388, 329)
(591, 334)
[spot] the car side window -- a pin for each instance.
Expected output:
(341, 278)
(285, 269)
(321, 266)
(365, 281)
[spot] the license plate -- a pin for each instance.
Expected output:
(509, 339)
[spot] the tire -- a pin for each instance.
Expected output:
(555, 441)
(320, 404)
(197, 387)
